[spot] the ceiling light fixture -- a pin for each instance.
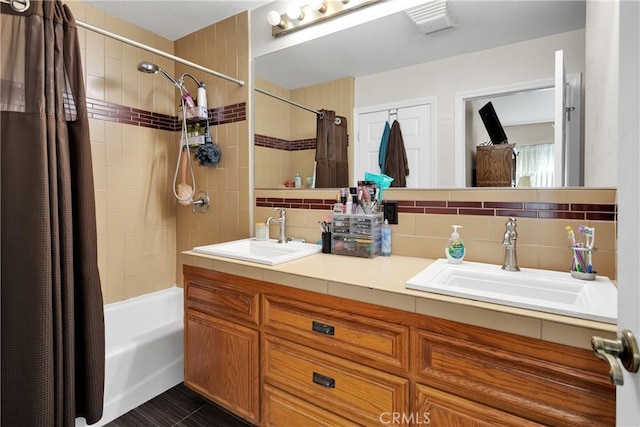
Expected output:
(298, 17)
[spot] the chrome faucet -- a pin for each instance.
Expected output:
(509, 242)
(282, 221)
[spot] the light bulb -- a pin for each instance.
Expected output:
(273, 18)
(318, 5)
(294, 12)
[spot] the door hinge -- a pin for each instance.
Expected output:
(569, 110)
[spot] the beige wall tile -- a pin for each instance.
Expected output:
(505, 195)
(578, 195)
(115, 280)
(95, 87)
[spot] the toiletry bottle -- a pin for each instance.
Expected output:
(386, 238)
(297, 181)
(455, 249)
(202, 96)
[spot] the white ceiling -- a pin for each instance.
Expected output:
(174, 19)
(383, 44)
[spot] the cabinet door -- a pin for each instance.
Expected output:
(284, 410)
(221, 362)
(437, 408)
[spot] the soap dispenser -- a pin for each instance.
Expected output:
(455, 249)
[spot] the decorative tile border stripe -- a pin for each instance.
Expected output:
(283, 144)
(228, 114)
(575, 211)
(111, 112)
(108, 111)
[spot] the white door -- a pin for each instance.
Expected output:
(560, 112)
(417, 133)
(628, 395)
(370, 129)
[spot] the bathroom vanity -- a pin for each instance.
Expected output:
(339, 341)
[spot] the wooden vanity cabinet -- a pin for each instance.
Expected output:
(543, 382)
(280, 356)
(222, 341)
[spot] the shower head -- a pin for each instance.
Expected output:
(148, 67)
(151, 68)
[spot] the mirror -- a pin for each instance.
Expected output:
(494, 44)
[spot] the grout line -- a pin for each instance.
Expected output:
(144, 416)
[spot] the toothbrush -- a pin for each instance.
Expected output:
(572, 237)
(590, 233)
(570, 234)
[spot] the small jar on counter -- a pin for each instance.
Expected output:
(262, 231)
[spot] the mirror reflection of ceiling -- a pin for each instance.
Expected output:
(395, 41)
(384, 44)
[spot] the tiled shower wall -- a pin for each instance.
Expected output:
(132, 164)
(141, 228)
(223, 47)
(426, 217)
(284, 133)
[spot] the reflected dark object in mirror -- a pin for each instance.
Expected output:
(492, 124)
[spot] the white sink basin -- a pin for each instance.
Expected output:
(268, 252)
(542, 290)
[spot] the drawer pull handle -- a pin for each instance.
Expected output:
(324, 381)
(322, 328)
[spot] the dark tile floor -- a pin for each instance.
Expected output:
(179, 407)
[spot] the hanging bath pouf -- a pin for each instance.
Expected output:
(209, 153)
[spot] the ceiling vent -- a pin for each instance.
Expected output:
(433, 16)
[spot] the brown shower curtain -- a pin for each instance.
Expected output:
(332, 167)
(52, 309)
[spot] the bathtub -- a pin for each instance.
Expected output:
(144, 350)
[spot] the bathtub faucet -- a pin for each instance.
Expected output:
(509, 242)
(282, 221)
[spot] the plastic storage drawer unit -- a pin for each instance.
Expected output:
(356, 235)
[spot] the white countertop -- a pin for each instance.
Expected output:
(382, 280)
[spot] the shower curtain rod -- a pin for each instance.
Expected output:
(273, 95)
(157, 52)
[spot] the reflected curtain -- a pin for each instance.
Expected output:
(51, 300)
(536, 162)
(332, 164)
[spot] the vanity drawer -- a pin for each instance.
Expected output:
(333, 330)
(284, 410)
(553, 393)
(217, 295)
(350, 390)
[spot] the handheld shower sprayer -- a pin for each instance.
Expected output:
(151, 68)
(184, 196)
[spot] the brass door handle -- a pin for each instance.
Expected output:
(624, 348)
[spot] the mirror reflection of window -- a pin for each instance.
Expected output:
(535, 165)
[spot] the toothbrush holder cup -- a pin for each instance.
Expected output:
(582, 263)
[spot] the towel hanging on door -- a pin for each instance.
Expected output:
(382, 152)
(396, 163)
